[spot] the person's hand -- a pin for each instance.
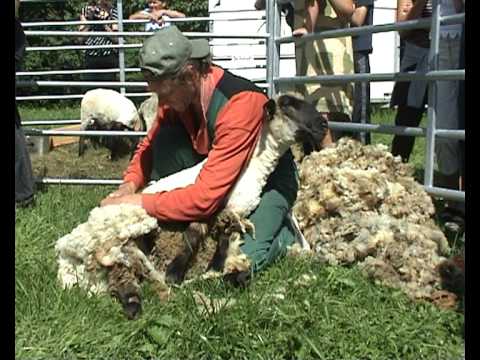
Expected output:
(156, 16)
(300, 31)
(127, 188)
(134, 199)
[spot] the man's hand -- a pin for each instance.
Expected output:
(127, 188)
(300, 32)
(134, 199)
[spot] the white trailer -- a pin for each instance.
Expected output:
(246, 57)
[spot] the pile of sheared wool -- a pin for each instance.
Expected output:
(360, 204)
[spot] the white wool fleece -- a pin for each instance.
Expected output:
(112, 226)
(107, 105)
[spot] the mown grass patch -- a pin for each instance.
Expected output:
(338, 315)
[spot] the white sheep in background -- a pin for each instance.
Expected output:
(105, 109)
(148, 112)
(102, 245)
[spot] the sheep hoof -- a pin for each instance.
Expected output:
(132, 307)
(175, 273)
(239, 279)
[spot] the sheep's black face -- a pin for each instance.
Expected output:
(310, 125)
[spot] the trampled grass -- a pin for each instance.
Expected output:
(338, 315)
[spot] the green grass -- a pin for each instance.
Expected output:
(340, 315)
(28, 113)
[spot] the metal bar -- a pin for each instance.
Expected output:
(446, 193)
(81, 47)
(445, 20)
(233, 11)
(128, 22)
(432, 95)
(431, 75)
(396, 130)
(378, 128)
(450, 134)
(93, 71)
(124, 46)
(375, 128)
(87, 133)
(140, 33)
(32, 83)
(49, 122)
(371, 29)
(72, 72)
(59, 181)
(66, 97)
(121, 52)
(275, 62)
(41, 1)
(269, 5)
(408, 76)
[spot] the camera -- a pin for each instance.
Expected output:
(94, 13)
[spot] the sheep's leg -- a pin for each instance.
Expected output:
(238, 278)
(231, 261)
(227, 226)
(193, 237)
(218, 260)
(123, 284)
(81, 146)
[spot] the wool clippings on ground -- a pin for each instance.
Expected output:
(361, 205)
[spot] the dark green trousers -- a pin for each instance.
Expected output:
(173, 151)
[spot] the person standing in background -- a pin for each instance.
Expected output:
(410, 97)
(158, 14)
(362, 48)
(24, 180)
(106, 58)
(447, 150)
(332, 56)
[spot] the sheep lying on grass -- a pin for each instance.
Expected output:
(289, 119)
(359, 204)
(105, 109)
(107, 256)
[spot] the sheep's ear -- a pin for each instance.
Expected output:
(270, 106)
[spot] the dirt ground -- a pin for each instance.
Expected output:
(64, 162)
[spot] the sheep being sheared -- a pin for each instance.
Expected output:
(289, 120)
(107, 258)
(105, 109)
(360, 204)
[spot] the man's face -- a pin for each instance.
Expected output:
(173, 93)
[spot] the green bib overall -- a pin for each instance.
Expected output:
(173, 151)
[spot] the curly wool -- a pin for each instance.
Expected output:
(100, 240)
(360, 204)
(106, 105)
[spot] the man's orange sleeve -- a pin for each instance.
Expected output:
(237, 130)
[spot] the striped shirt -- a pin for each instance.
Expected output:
(100, 40)
(427, 10)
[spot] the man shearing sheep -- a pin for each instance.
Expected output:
(206, 111)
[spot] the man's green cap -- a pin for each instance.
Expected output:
(166, 52)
